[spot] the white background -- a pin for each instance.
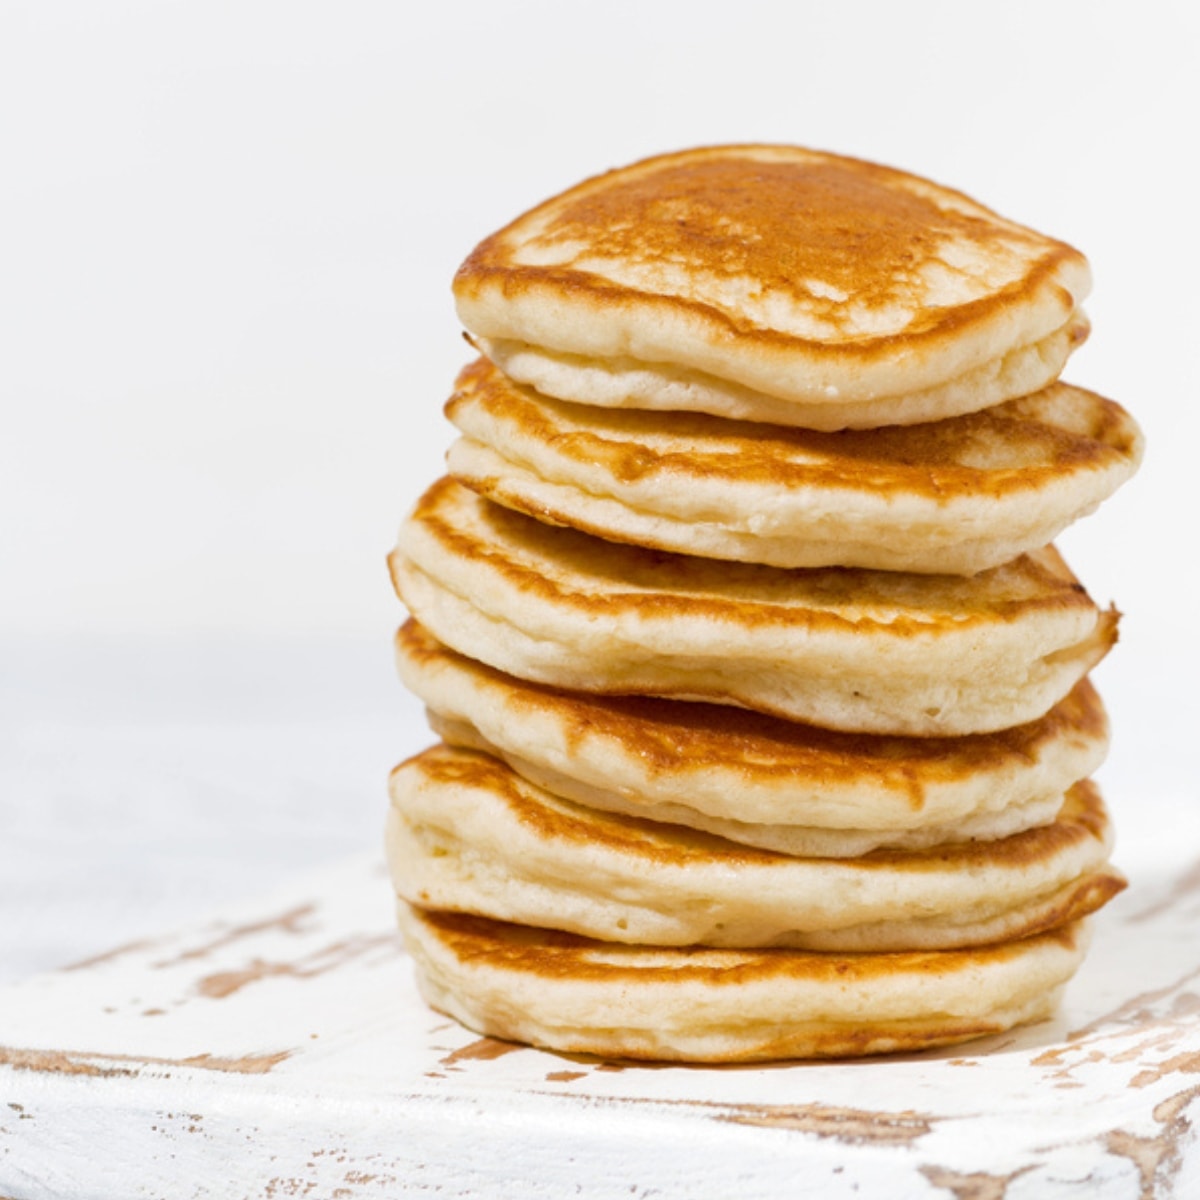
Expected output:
(227, 232)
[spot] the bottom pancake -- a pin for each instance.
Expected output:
(561, 992)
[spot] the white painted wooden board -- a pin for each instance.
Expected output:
(281, 1050)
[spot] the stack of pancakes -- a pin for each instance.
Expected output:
(766, 727)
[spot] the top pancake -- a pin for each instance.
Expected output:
(842, 293)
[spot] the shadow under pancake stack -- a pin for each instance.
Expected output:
(762, 693)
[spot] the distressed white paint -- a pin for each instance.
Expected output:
(281, 1050)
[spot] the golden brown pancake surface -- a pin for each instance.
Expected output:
(465, 833)
(752, 778)
(861, 651)
(810, 276)
(953, 496)
(574, 995)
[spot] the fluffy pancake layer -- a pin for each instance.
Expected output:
(862, 651)
(624, 383)
(956, 496)
(854, 293)
(466, 834)
(755, 779)
(573, 995)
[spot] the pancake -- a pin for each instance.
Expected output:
(467, 834)
(576, 996)
(755, 779)
(861, 651)
(843, 293)
(624, 383)
(956, 496)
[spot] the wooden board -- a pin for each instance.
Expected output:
(281, 1050)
